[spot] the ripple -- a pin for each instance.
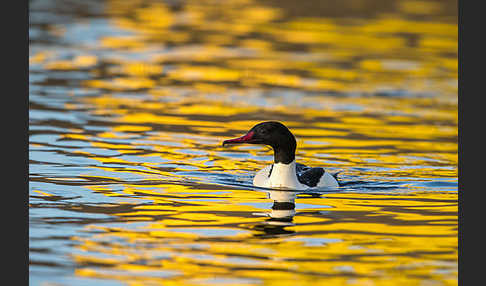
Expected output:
(129, 103)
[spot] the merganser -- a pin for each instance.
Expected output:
(284, 173)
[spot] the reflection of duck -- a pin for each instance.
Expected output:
(284, 173)
(281, 216)
(283, 205)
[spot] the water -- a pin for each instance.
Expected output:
(131, 100)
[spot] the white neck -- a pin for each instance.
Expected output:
(284, 176)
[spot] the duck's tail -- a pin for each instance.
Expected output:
(335, 175)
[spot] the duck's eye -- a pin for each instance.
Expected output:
(264, 131)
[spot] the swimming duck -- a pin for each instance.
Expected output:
(284, 173)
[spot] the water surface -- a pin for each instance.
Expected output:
(131, 100)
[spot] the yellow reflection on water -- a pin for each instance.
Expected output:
(193, 236)
(251, 45)
(357, 238)
(187, 235)
(372, 97)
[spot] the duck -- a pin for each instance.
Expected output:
(285, 172)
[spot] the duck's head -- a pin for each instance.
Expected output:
(271, 133)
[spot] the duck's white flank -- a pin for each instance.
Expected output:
(284, 176)
(328, 180)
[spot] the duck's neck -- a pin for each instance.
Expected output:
(284, 154)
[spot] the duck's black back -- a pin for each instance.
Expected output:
(309, 176)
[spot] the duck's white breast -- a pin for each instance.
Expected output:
(282, 176)
(261, 178)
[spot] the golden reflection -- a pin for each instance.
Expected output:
(384, 133)
(372, 97)
(336, 238)
(389, 51)
(77, 62)
(358, 237)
